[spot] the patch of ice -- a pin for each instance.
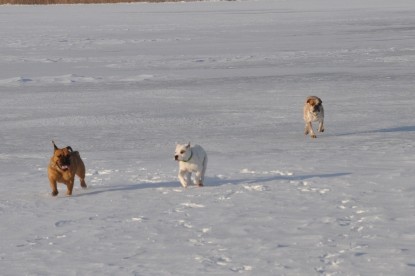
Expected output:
(257, 188)
(138, 78)
(193, 205)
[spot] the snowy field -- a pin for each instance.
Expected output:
(123, 83)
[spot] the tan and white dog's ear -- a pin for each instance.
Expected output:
(312, 102)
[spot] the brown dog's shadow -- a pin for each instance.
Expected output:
(128, 187)
(211, 182)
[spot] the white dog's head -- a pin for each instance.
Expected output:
(182, 152)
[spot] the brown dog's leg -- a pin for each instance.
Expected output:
(83, 184)
(54, 188)
(81, 173)
(69, 186)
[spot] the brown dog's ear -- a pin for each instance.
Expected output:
(69, 148)
(54, 146)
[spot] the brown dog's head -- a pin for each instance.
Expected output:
(315, 103)
(61, 157)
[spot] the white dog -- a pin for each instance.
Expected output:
(313, 112)
(192, 159)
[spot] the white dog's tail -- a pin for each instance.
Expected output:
(205, 161)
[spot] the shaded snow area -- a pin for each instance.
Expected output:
(123, 83)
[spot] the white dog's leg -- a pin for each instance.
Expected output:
(198, 178)
(183, 176)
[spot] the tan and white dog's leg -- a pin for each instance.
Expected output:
(306, 129)
(321, 126)
(309, 129)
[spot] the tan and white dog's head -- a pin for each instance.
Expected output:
(313, 112)
(61, 157)
(315, 104)
(182, 152)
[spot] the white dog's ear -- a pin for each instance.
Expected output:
(188, 145)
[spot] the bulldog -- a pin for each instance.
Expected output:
(313, 112)
(63, 166)
(192, 159)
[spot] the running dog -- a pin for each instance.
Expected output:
(313, 112)
(192, 159)
(63, 166)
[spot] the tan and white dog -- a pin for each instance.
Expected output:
(313, 112)
(192, 159)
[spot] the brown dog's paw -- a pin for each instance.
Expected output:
(313, 136)
(55, 193)
(83, 184)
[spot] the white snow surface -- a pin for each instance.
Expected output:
(123, 83)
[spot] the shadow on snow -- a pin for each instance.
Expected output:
(220, 182)
(212, 182)
(382, 130)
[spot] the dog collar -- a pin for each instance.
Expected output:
(191, 155)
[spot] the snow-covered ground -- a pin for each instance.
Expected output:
(123, 83)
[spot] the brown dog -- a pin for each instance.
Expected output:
(64, 165)
(313, 112)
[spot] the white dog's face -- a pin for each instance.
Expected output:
(182, 152)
